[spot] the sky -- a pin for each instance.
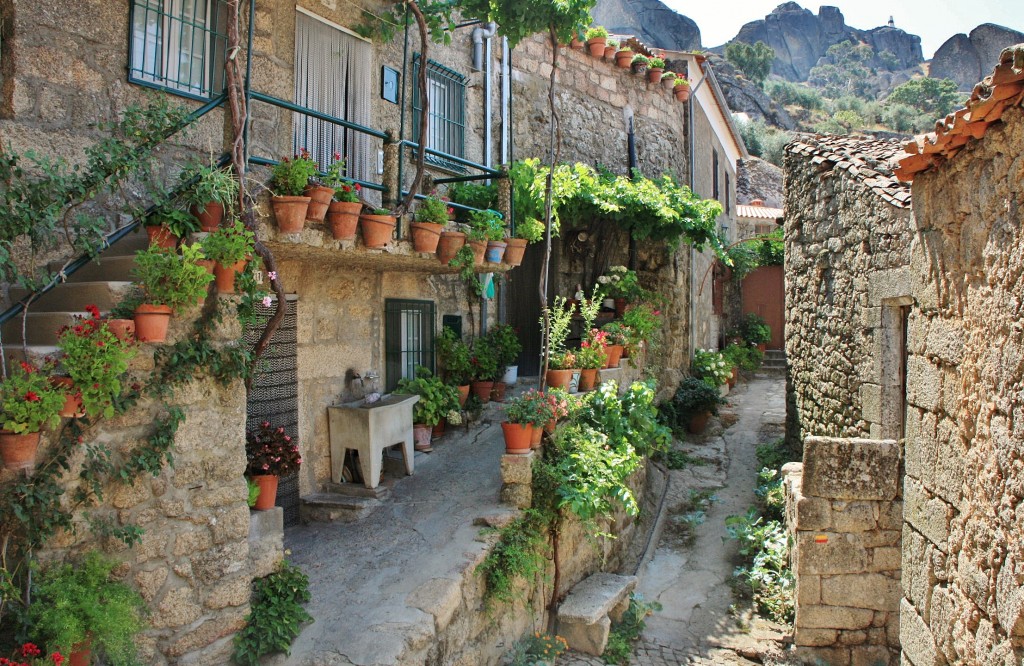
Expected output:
(934, 21)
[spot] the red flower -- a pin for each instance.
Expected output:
(31, 396)
(27, 368)
(336, 156)
(57, 658)
(346, 188)
(93, 310)
(358, 187)
(30, 650)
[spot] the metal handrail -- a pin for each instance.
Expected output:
(488, 172)
(277, 101)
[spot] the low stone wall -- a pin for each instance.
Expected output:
(844, 512)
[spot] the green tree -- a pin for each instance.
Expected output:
(846, 70)
(933, 96)
(754, 61)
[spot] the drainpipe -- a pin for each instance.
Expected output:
(506, 100)
(693, 252)
(482, 60)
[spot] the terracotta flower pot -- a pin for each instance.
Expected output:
(596, 46)
(576, 44)
(669, 83)
(735, 375)
(538, 433)
(624, 60)
(762, 347)
(18, 451)
(620, 307)
(516, 248)
(479, 251)
(73, 402)
(463, 394)
(224, 276)
(161, 236)
(609, 52)
(517, 437)
(123, 329)
(449, 245)
(482, 390)
(682, 93)
(81, 654)
(290, 213)
(151, 322)
(421, 433)
(558, 378)
(498, 391)
(495, 251)
(377, 229)
(425, 236)
(550, 426)
(268, 491)
(438, 430)
(614, 353)
(209, 215)
(319, 200)
(343, 219)
(697, 423)
(588, 377)
(654, 74)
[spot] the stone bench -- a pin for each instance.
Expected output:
(585, 617)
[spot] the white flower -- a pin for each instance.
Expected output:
(603, 279)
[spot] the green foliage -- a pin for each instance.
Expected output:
(485, 360)
(657, 63)
(209, 184)
(844, 70)
(291, 176)
(96, 360)
(27, 400)
(620, 282)
(529, 229)
(530, 407)
(692, 397)
(485, 225)
(935, 97)
(557, 321)
(680, 81)
(464, 262)
(518, 20)
(179, 222)
(229, 244)
(764, 141)
(597, 32)
(770, 494)
(711, 367)
(794, 94)
(754, 329)
(253, 492)
(432, 209)
(640, 60)
(537, 650)
(171, 279)
(436, 397)
(474, 195)
(765, 575)
(84, 601)
(905, 118)
(454, 357)
(624, 633)
(505, 342)
(754, 61)
(744, 356)
(676, 459)
(518, 555)
(775, 454)
(276, 617)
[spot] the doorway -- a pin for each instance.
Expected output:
(764, 294)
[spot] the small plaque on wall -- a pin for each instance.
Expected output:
(389, 84)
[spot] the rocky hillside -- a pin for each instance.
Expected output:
(967, 59)
(651, 21)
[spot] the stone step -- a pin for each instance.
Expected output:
(74, 296)
(115, 268)
(585, 617)
(331, 507)
(41, 327)
(16, 353)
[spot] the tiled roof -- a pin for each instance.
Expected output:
(758, 212)
(1003, 89)
(867, 159)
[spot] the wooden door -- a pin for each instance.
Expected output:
(764, 294)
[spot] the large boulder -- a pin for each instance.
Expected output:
(745, 96)
(651, 21)
(967, 59)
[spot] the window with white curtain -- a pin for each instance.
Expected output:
(178, 45)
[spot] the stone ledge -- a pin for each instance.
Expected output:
(836, 468)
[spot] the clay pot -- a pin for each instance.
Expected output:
(498, 391)
(624, 59)
(735, 377)
(517, 437)
(549, 427)
(73, 402)
(614, 353)
(576, 44)
(81, 653)
(290, 213)
(377, 229)
(588, 377)
(268, 491)
(438, 430)
(319, 200)
(209, 215)
(596, 46)
(123, 329)
(479, 251)
(463, 394)
(697, 423)
(482, 390)
(620, 307)
(682, 93)
(425, 236)
(558, 378)
(449, 244)
(538, 433)
(609, 52)
(161, 236)
(151, 322)
(669, 83)
(762, 347)
(18, 451)
(516, 248)
(654, 74)
(495, 251)
(224, 276)
(421, 433)
(343, 218)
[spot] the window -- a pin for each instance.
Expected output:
(178, 45)
(408, 339)
(728, 199)
(714, 174)
(446, 116)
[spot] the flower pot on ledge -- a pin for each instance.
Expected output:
(449, 245)
(479, 251)
(151, 322)
(596, 46)
(209, 215)
(319, 200)
(224, 275)
(18, 451)
(495, 251)
(290, 213)
(268, 491)
(377, 229)
(343, 219)
(517, 437)
(426, 236)
(515, 250)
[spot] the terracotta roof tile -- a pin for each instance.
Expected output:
(1002, 89)
(867, 159)
(758, 212)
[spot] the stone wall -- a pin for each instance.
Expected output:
(844, 514)
(962, 549)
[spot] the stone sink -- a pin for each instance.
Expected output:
(369, 429)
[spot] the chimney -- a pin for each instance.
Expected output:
(757, 202)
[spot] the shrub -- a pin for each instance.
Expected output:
(754, 329)
(433, 210)
(744, 356)
(624, 633)
(28, 401)
(437, 399)
(711, 367)
(454, 357)
(755, 61)
(764, 141)
(597, 32)
(229, 244)
(171, 279)
(291, 176)
(795, 94)
(276, 615)
(657, 63)
(692, 397)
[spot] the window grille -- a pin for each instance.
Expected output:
(179, 45)
(714, 174)
(408, 339)
(728, 199)
(446, 117)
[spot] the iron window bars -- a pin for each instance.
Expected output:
(446, 117)
(408, 339)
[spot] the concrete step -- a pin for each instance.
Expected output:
(127, 246)
(586, 615)
(16, 353)
(41, 327)
(74, 296)
(331, 507)
(115, 268)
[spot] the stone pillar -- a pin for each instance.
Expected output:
(392, 192)
(517, 479)
(505, 196)
(844, 510)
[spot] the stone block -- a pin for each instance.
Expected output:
(858, 637)
(517, 495)
(815, 637)
(177, 608)
(850, 468)
(929, 515)
(231, 592)
(874, 591)
(857, 516)
(916, 639)
(588, 638)
(833, 617)
(517, 468)
(266, 524)
(830, 553)
(873, 655)
(886, 558)
(871, 402)
(813, 513)
(440, 597)
(924, 383)
(808, 589)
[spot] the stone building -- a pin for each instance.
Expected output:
(905, 386)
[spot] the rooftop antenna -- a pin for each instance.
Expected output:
(892, 24)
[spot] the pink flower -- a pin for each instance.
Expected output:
(267, 300)
(272, 275)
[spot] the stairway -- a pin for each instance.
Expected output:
(102, 282)
(774, 361)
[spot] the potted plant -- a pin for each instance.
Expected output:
(597, 38)
(610, 47)
(668, 79)
(431, 216)
(230, 248)
(639, 63)
(270, 454)
(437, 400)
(537, 408)
(624, 57)
(120, 318)
(321, 192)
(681, 89)
(622, 285)
(507, 347)
(528, 230)
(344, 208)
(576, 44)
(484, 360)
(84, 608)
(618, 336)
(521, 413)
(557, 319)
(455, 359)
(94, 360)
(486, 231)
(167, 226)
(290, 202)
(710, 367)
(755, 330)
(28, 403)
(449, 244)
(378, 227)
(169, 282)
(591, 357)
(742, 357)
(644, 323)
(694, 403)
(211, 190)
(655, 69)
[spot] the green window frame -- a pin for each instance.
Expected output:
(408, 339)
(178, 46)
(446, 118)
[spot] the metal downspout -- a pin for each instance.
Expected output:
(693, 252)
